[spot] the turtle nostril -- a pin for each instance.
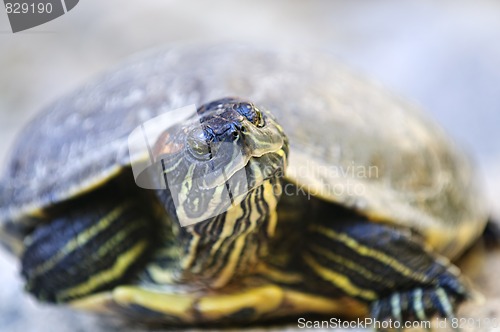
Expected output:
(236, 129)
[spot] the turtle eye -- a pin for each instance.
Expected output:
(199, 145)
(259, 119)
(251, 113)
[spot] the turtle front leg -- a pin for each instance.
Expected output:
(89, 247)
(388, 268)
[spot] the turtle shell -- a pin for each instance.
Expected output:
(351, 142)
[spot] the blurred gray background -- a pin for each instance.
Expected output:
(444, 56)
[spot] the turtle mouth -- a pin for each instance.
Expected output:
(207, 198)
(252, 169)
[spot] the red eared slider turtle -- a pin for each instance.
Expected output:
(356, 202)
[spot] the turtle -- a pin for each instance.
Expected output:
(295, 187)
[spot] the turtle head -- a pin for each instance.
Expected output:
(214, 159)
(222, 168)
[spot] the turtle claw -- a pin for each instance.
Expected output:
(419, 304)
